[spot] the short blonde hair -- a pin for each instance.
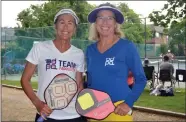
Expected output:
(94, 35)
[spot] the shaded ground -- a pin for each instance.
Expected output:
(17, 107)
(17, 77)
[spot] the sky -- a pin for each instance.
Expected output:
(10, 9)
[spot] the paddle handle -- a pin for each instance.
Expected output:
(41, 119)
(130, 112)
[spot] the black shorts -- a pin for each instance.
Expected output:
(79, 119)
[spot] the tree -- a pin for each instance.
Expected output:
(177, 37)
(37, 23)
(163, 48)
(174, 11)
(37, 16)
(133, 27)
(172, 15)
(43, 15)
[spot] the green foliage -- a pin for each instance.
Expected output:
(174, 10)
(163, 103)
(37, 24)
(173, 47)
(82, 44)
(133, 27)
(175, 17)
(177, 37)
(43, 15)
(163, 48)
(177, 32)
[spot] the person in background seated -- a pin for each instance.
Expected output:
(166, 65)
(146, 62)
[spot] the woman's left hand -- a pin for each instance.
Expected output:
(122, 109)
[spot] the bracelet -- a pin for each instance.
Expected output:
(130, 112)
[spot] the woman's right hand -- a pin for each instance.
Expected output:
(42, 108)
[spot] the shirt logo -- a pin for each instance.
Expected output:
(50, 64)
(60, 65)
(109, 61)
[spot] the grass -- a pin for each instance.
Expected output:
(175, 103)
(171, 103)
(17, 83)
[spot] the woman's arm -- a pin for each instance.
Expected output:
(27, 88)
(135, 65)
(79, 80)
(79, 73)
(25, 82)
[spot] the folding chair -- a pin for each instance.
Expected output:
(180, 76)
(165, 75)
(150, 75)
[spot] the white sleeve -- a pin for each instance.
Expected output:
(81, 65)
(33, 55)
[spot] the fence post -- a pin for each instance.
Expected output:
(145, 38)
(158, 72)
(185, 42)
(42, 34)
(4, 59)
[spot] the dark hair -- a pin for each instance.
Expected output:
(56, 20)
(166, 58)
(146, 61)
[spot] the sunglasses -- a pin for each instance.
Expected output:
(109, 18)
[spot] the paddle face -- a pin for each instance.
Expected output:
(60, 91)
(94, 104)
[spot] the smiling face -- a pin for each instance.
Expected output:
(105, 23)
(65, 27)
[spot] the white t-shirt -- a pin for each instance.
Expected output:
(51, 62)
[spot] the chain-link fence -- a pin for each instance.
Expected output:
(151, 41)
